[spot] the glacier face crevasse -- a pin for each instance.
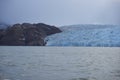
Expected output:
(86, 35)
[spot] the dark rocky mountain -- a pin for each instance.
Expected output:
(26, 34)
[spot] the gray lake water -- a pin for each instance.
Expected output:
(59, 63)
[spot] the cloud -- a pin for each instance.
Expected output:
(110, 13)
(58, 12)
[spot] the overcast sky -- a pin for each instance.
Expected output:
(60, 12)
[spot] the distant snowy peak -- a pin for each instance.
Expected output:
(86, 35)
(3, 25)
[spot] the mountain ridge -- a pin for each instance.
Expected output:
(26, 34)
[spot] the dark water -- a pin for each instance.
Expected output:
(59, 63)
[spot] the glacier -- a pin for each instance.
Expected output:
(86, 35)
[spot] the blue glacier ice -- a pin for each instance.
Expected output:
(86, 35)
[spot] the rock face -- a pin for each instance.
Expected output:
(26, 34)
(2, 32)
